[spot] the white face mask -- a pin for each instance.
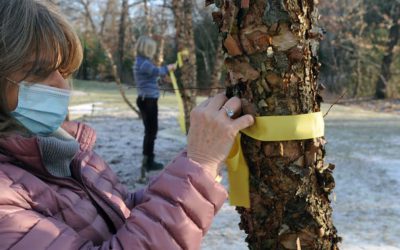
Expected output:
(41, 108)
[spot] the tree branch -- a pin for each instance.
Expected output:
(110, 57)
(134, 4)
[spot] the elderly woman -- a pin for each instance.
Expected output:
(146, 75)
(56, 192)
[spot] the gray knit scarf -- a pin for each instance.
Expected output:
(57, 151)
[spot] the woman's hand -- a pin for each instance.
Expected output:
(212, 131)
(171, 67)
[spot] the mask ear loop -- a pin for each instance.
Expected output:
(19, 83)
(12, 81)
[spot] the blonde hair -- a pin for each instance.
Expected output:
(145, 46)
(36, 39)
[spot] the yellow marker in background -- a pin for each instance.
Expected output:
(184, 52)
(267, 128)
(181, 116)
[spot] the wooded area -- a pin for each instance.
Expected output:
(358, 52)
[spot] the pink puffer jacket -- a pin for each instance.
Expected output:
(93, 210)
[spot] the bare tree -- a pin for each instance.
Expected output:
(86, 4)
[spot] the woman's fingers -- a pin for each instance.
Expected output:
(232, 105)
(243, 122)
(216, 102)
(213, 130)
(204, 103)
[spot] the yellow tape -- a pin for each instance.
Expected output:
(267, 128)
(184, 52)
(181, 116)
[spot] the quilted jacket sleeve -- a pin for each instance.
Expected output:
(149, 68)
(175, 212)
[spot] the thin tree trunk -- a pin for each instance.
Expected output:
(359, 74)
(121, 37)
(160, 57)
(149, 20)
(105, 15)
(272, 63)
(85, 64)
(185, 40)
(381, 91)
(217, 71)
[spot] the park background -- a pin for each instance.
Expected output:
(359, 61)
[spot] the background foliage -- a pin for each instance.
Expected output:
(356, 38)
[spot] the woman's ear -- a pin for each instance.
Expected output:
(11, 96)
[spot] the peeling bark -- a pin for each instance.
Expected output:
(272, 63)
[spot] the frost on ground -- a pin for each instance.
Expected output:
(363, 145)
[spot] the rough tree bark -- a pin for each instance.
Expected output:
(272, 63)
(381, 91)
(185, 40)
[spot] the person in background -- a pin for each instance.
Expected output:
(146, 75)
(56, 192)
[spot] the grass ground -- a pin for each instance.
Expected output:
(362, 144)
(107, 98)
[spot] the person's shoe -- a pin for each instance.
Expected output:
(143, 170)
(153, 165)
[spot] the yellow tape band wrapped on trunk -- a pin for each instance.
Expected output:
(267, 128)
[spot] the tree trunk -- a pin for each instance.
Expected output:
(217, 72)
(185, 40)
(105, 15)
(358, 74)
(121, 38)
(149, 20)
(160, 56)
(83, 72)
(272, 63)
(381, 91)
